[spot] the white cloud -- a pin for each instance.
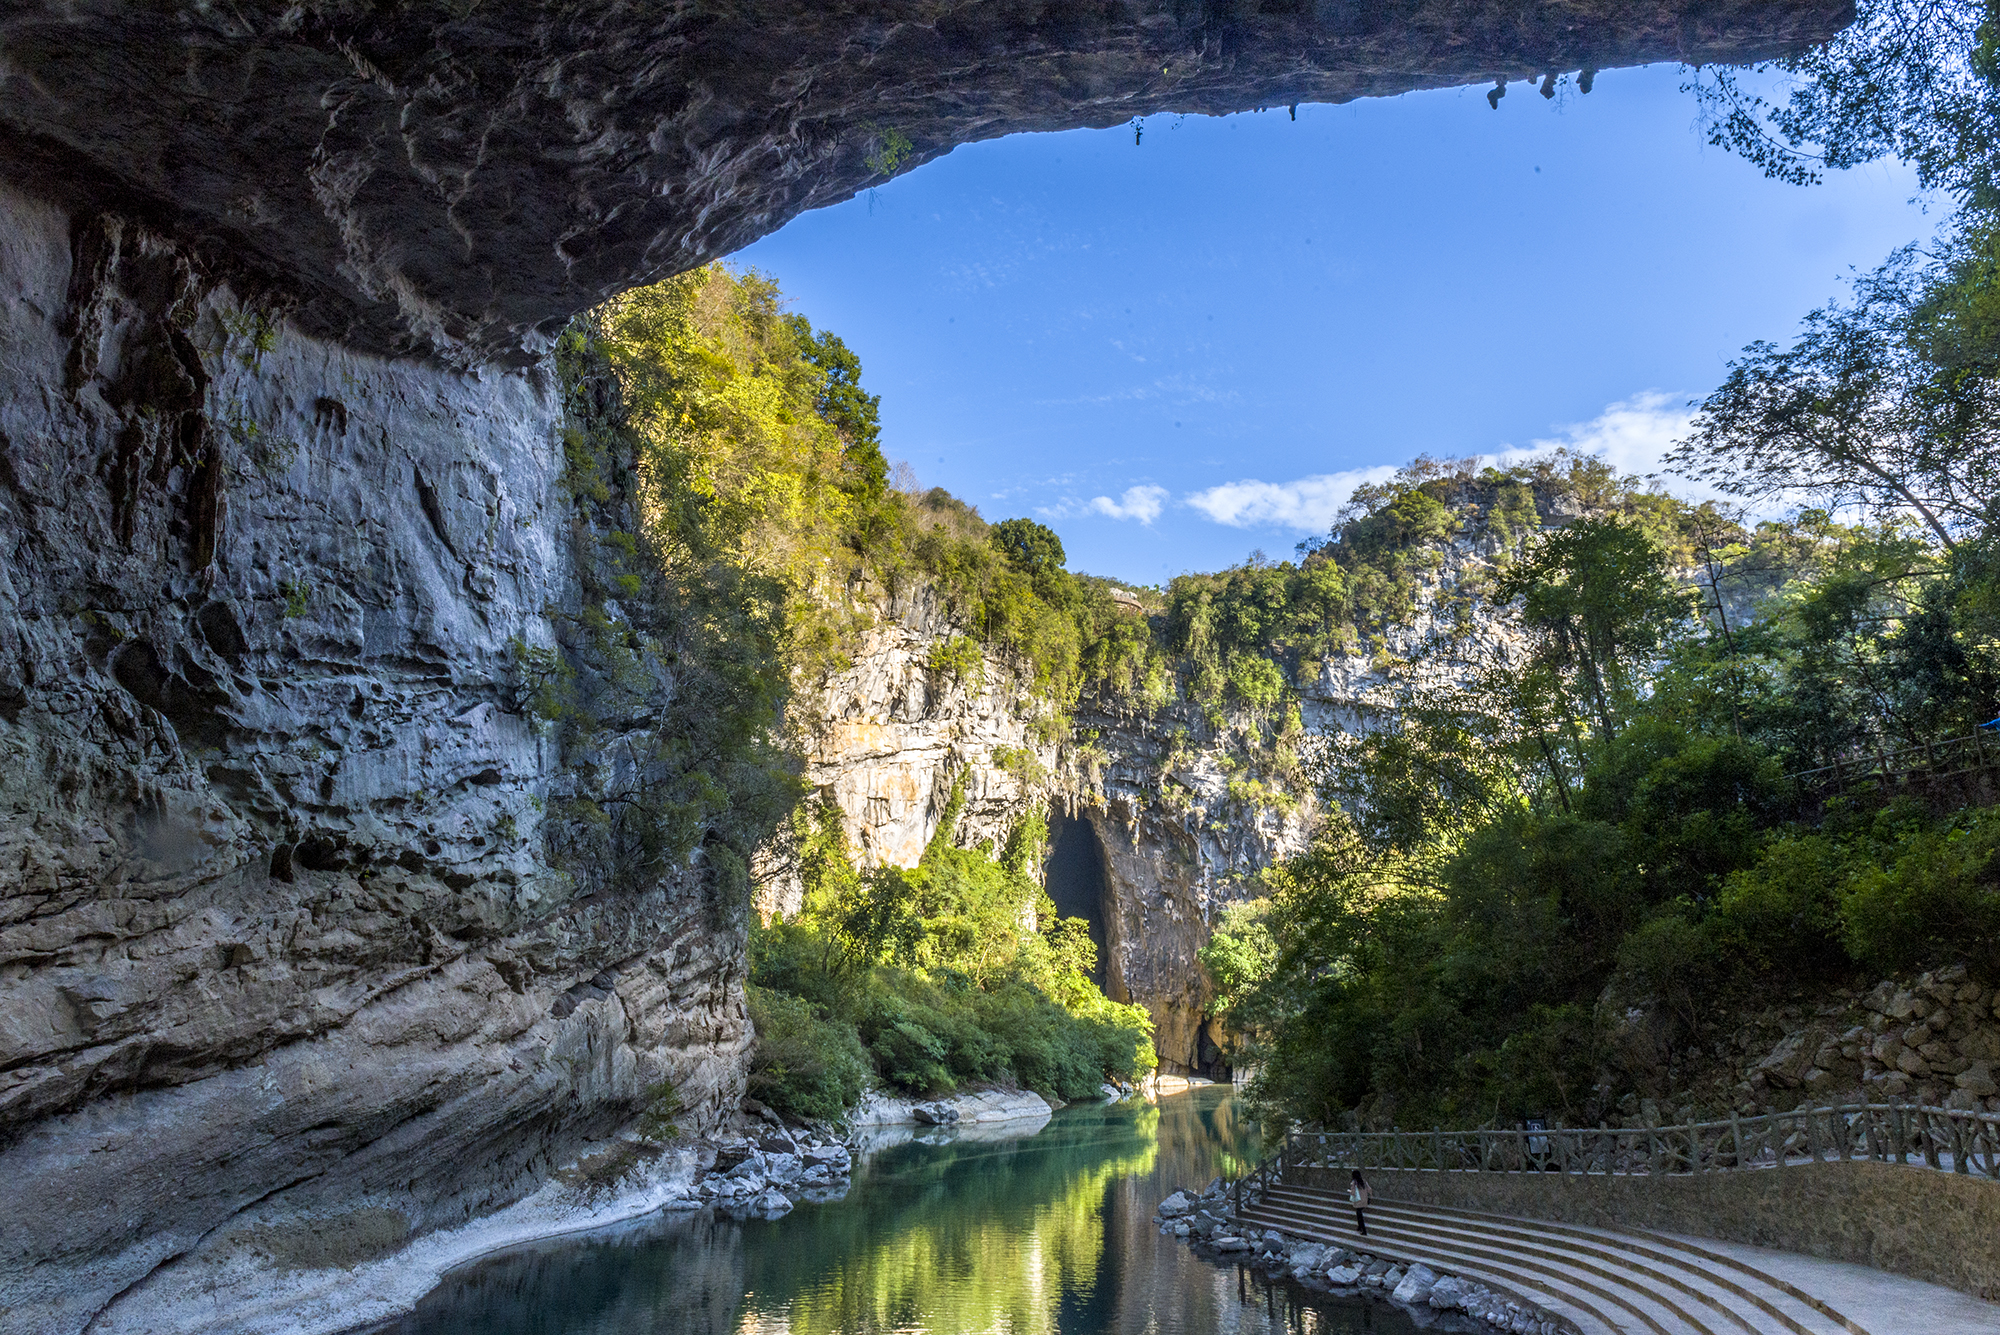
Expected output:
(1142, 503)
(1307, 504)
(1631, 435)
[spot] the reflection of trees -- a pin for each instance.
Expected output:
(1160, 1286)
(1206, 1134)
(1032, 1237)
(957, 1238)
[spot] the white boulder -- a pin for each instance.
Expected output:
(1415, 1286)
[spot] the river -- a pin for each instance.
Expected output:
(1047, 1234)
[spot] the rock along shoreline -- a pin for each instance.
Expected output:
(762, 1167)
(1433, 1300)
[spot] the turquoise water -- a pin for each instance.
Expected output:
(1051, 1234)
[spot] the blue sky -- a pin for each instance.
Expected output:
(1176, 352)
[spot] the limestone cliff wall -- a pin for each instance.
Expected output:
(1172, 864)
(284, 935)
(889, 737)
(893, 734)
(886, 739)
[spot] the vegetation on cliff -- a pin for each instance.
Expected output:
(955, 971)
(744, 439)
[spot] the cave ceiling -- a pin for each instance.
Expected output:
(459, 177)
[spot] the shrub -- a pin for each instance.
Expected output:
(804, 1065)
(1259, 683)
(1935, 901)
(1548, 1064)
(1784, 911)
(1674, 960)
(930, 977)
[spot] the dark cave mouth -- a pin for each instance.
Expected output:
(1076, 881)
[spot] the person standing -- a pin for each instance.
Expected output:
(1357, 1196)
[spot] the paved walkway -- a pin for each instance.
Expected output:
(1631, 1282)
(1882, 1303)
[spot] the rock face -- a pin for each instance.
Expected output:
(1933, 1039)
(465, 177)
(285, 930)
(1173, 864)
(893, 733)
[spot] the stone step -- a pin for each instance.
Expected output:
(1526, 1289)
(1701, 1283)
(1608, 1282)
(1720, 1273)
(1690, 1297)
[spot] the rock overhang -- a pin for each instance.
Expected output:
(460, 178)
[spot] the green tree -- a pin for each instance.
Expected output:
(1239, 958)
(1031, 547)
(1857, 411)
(1913, 79)
(851, 410)
(1598, 602)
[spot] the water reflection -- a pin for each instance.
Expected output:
(1047, 1235)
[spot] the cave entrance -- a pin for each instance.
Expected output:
(1077, 882)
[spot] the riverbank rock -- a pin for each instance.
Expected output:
(966, 1109)
(1206, 1222)
(771, 1204)
(1415, 1286)
(749, 1177)
(1448, 1294)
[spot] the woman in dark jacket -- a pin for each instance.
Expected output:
(1357, 1196)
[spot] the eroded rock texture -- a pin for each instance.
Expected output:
(286, 932)
(1172, 866)
(466, 176)
(893, 734)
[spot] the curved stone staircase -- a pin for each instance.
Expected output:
(1605, 1282)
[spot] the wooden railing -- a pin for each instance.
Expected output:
(1955, 758)
(1257, 1179)
(1941, 1138)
